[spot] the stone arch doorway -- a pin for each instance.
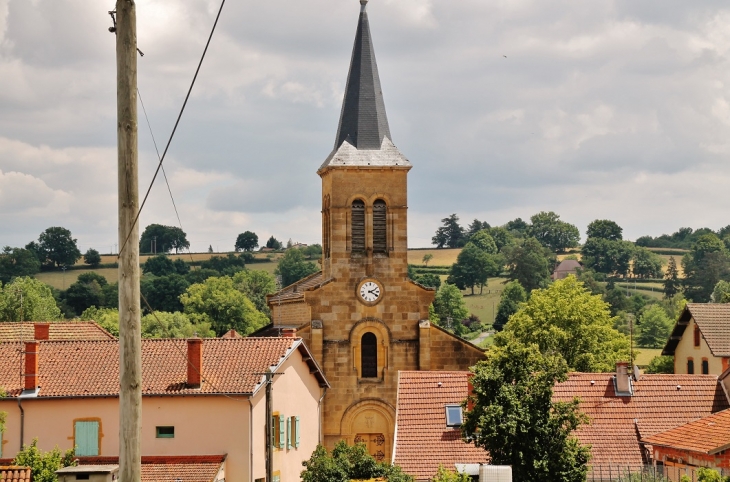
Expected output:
(370, 422)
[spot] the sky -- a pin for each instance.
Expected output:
(602, 109)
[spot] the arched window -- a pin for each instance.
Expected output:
(690, 366)
(358, 227)
(369, 355)
(380, 231)
(705, 366)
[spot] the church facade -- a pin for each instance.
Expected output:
(361, 316)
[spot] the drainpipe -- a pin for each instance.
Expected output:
(22, 422)
(269, 429)
(250, 438)
(319, 413)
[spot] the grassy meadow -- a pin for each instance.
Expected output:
(645, 355)
(61, 281)
(441, 257)
(485, 305)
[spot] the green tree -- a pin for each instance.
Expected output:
(426, 258)
(517, 227)
(429, 280)
(346, 463)
(566, 319)
(553, 233)
(255, 284)
(473, 267)
(484, 241)
(646, 264)
(475, 227)
(273, 243)
(27, 299)
(606, 229)
(160, 265)
(671, 279)
(512, 296)
(247, 241)
(654, 327)
(502, 237)
(226, 265)
(163, 292)
(529, 263)
(661, 364)
(445, 475)
(449, 308)
(87, 291)
(43, 465)
(92, 258)
(162, 239)
(218, 302)
(702, 271)
(608, 257)
(515, 419)
(293, 267)
(450, 234)
(313, 251)
(16, 262)
(721, 293)
(58, 247)
(107, 318)
(163, 324)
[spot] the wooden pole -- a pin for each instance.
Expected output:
(130, 344)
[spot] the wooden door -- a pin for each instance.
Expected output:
(375, 443)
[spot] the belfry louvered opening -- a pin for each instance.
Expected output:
(380, 229)
(358, 227)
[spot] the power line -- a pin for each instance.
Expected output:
(174, 129)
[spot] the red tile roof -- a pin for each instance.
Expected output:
(713, 320)
(422, 439)
(708, 435)
(618, 423)
(14, 473)
(57, 330)
(91, 368)
(191, 468)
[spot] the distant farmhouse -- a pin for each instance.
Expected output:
(700, 340)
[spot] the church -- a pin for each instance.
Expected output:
(362, 318)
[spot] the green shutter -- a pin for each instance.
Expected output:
(296, 431)
(282, 432)
(289, 440)
(87, 438)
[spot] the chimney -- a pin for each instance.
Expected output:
(289, 332)
(623, 380)
(40, 331)
(31, 365)
(195, 362)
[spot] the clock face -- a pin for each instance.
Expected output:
(370, 292)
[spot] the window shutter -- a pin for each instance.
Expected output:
(358, 227)
(87, 438)
(296, 431)
(380, 238)
(282, 432)
(288, 433)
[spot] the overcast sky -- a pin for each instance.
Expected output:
(592, 109)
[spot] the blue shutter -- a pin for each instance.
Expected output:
(87, 438)
(282, 432)
(289, 440)
(296, 431)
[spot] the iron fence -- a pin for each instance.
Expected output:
(643, 473)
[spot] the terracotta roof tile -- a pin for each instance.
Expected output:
(295, 291)
(713, 320)
(707, 435)
(422, 439)
(618, 423)
(15, 473)
(191, 468)
(57, 330)
(91, 368)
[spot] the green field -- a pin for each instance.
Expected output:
(61, 281)
(645, 355)
(485, 305)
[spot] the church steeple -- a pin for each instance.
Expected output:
(363, 122)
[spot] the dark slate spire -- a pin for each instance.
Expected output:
(363, 122)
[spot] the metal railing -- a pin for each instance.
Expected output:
(643, 473)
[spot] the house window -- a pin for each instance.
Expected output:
(165, 432)
(705, 367)
(697, 335)
(279, 431)
(86, 437)
(453, 416)
(358, 227)
(380, 232)
(369, 355)
(690, 366)
(292, 429)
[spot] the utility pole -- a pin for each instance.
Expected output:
(130, 344)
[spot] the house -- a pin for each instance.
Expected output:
(53, 330)
(566, 268)
(361, 315)
(624, 409)
(199, 398)
(700, 443)
(700, 340)
(428, 423)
